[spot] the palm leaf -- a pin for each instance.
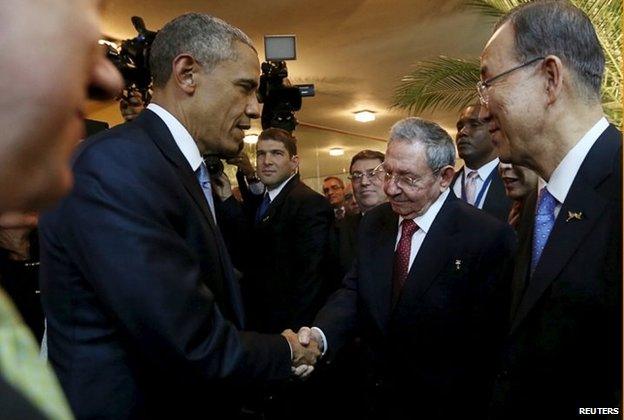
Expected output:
(438, 83)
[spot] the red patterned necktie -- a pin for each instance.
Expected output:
(402, 257)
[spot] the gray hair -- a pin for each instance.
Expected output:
(556, 27)
(439, 147)
(207, 38)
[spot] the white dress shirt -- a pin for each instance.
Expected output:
(275, 191)
(563, 176)
(484, 172)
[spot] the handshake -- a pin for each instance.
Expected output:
(307, 347)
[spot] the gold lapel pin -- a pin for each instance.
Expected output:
(457, 265)
(572, 215)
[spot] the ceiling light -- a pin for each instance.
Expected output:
(364, 116)
(251, 139)
(336, 151)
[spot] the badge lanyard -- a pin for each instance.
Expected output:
(484, 187)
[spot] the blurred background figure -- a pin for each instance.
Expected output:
(350, 205)
(19, 267)
(334, 191)
(519, 182)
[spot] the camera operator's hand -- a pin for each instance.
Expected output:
(221, 186)
(131, 108)
(243, 164)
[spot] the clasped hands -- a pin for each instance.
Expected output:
(307, 347)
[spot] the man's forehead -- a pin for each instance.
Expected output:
(270, 145)
(498, 48)
(366, 163)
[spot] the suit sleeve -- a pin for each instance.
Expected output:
(120, 233)
(312, 225)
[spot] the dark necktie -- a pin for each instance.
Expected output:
(544, 222)
(402, 257)
(264, 206)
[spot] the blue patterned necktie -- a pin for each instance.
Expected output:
(264, 206)
(206, 186)
(544, 222)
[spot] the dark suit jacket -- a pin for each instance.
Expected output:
(432, 352)
(496, 201)
(343, 243)
(564, 348)
(143, 310)
(284, 281)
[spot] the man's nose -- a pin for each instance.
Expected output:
(253, 107)
(105, 81)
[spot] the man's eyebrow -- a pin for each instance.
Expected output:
(253, 83)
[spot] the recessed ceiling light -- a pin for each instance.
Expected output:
(364, 116)
(251, 139)
(336, 151)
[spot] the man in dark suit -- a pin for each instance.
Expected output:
(424, 290)
(478, 182)
(143, 308)
(284, 280)
(564, 349)
(367, 182)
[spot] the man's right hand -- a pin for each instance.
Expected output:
(301, 354)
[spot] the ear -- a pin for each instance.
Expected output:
(446, 176)
(185, 69)
(295, 161)
(553, 71)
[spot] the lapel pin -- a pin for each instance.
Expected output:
(572, 215)
(457, 265)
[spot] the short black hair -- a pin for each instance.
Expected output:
(365, 155)
(282, 136)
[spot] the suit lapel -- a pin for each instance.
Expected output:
(160, 134)
(279, 199)
(567, 237)
(431, 257)
(380, 263)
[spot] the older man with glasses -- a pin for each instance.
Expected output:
(541, 74)
(424, 290)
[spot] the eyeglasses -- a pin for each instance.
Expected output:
(373, 175)
(482, 86)
(406, 181)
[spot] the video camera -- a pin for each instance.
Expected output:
(132, 60)
(280, 99)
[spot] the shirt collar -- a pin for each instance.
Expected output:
(424, 221)
(275, 191)
(485, 170)
(563, 176)
(180, 134)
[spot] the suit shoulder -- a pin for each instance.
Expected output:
(476, 219)
(301, 192)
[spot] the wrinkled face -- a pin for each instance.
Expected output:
(334, 192)
(518, 180)
(225, 102)
(50, 60)
(515, 109)
(274, 163)
(473, 138)
(368, 189)
(409, 159)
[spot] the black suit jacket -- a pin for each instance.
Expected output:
(142, 306)
(496, 201)
(343, 243)
(432, 352)
(564, 348)
(284, 282)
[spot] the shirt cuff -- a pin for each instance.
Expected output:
(322, 338)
